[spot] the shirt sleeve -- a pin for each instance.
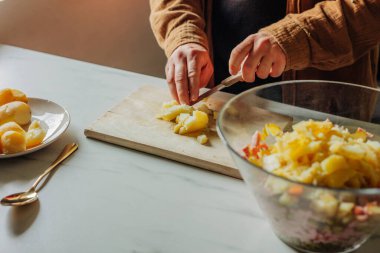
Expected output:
(177, 22)
(331, 35)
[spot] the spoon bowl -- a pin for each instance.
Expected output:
(20, 198)
(29, 196)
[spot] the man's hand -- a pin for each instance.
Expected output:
(258, 56)
(188, 69)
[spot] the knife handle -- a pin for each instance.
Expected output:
(232, 80)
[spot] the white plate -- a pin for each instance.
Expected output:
(54, 119)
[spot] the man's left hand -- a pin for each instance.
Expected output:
(257, 55)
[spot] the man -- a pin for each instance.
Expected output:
(330, 40)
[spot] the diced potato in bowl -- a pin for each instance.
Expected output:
(316, 180)
(320, 153)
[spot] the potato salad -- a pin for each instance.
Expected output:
(319, 153)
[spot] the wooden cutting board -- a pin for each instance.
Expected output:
(132, 124)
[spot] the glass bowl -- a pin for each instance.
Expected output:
(319, 219)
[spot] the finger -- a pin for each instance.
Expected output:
(239, 53)
(193, 74)
(206, 74)
(248, 68)
(170, 68)
(278, 67)
(250, 65)
(181, 82)
(264, 67)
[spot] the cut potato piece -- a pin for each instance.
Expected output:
(11, 126)
(9, 95)
(35, 134)
(170, 113)
(16, 111)
(15, 115)
(197, 121)
(202, 139)
(13, 142)
(182, 117)
(189, 121)
(334, 163)
(204, 108)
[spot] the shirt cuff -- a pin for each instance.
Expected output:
(184, 34)
(293, 40)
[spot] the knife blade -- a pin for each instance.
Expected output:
(229, 81)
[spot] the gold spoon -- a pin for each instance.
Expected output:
(23, 198)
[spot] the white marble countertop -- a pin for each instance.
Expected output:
(107, 198)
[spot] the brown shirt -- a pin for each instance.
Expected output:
(333, 40)
(232, 22)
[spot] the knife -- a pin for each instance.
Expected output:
(223, 84)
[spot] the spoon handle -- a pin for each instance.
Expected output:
(66, 152)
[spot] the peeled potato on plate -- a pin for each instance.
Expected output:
(10, 126)
(35, 134)
(15, 117)
(16, 111)
(7, 127)
(9, 95)
(13, 142)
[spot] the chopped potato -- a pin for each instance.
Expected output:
(202, 139)
(182, 117)
(320, 153)
(171, 110)
(334, 163)
(197, 121)
(189, 121)
(326, 204)
(215, 115)
(204, 108)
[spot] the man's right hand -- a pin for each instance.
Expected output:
(188, 69)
